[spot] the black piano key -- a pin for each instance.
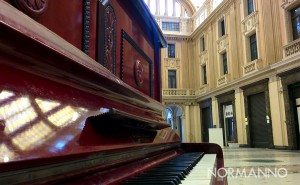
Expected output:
(181, 176)
(150, 183)
(161, 175)
(149, 175)
(172, 171)
(174, 179)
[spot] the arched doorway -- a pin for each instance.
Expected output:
(173, 116)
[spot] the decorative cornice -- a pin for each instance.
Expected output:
(189, 6)
(289, 4)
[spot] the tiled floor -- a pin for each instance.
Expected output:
(252, 166)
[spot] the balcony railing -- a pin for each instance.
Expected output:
(292, 48)
(252, 67)
(179, 92)
(203, 89)
(223, 79)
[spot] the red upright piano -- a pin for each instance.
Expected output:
(80, 95)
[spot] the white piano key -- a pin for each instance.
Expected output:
(200, 174)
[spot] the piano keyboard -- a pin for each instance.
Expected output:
(186, 169)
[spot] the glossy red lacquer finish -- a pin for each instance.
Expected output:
(40, 69)
(55, 100)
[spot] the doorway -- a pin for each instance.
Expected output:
(294, 90)
(206, 123)
(174, 118)
(259, 135)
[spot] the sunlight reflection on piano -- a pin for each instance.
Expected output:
(45, 105)
(30, 122)
(6, 154)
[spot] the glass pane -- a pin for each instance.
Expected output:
(296, 27)
(171, 50)
(250, 6)
(172, 79)
(225, 69)
(253, 47)
(222, 28)
(204, 75)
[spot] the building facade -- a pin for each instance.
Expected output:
(235, 65)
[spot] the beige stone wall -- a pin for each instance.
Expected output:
(270, 22)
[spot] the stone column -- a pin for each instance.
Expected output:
(187, 123)
(157, 12)
(166, 8)
(241, 122)
(182, 11)
(174, 9)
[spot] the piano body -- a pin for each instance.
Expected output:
(80, 94)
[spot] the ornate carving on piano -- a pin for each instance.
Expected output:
(86, 26)
(33, 8)
(137, 63)
(110, 27)
(139, 73)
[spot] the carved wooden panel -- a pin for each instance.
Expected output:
(110, 27)
(136, 66)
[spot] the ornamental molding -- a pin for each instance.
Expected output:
(252, 66)
(110, 29)
(172, 63)
(289, 4)
(224, 79)
(222, 43)
(203, 58)
(250, 23)
(33, 8)
(139, 73)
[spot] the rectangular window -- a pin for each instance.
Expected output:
(222, 27)
(253, 47)
(202, 44)
(224, 61)
(250, 6)
(171, 79)
(204, 75)
(170, 26)
(295, 14)
(171, 50)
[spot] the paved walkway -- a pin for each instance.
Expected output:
(252, 166)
